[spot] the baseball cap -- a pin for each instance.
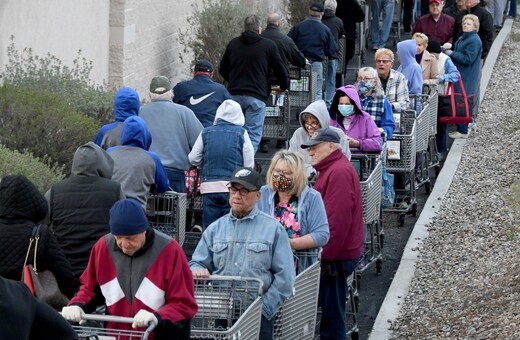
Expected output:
(323, 135)
(437, 1)
(247, 177)
(317, 7)
(203, 66)
(160, 85)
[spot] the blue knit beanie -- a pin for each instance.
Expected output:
(127, 217)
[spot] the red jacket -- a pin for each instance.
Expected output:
(338, 183)
(440, 30)
(157, 278)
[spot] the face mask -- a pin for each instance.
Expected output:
(365, 87)
(282, 183)
(346, 110)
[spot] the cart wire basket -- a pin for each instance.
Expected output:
(167, 213)
(95, 333)
(230, 307)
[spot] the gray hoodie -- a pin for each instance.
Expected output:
(319, 110)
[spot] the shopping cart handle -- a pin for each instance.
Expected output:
(119, 319)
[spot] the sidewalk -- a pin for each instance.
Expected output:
(399, 288)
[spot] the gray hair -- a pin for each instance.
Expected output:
(252, 23)
(168, 95)
(330, 4)
(274, 18)
(373, 74)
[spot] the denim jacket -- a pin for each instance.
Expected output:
(254, 246)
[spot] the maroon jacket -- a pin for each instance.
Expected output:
(440, 30)
(338, 184)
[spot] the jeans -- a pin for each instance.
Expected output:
(462, 128)
(442, 137)
(476, 95)
(333, 298)
(408, 11)
(254, 113)
(177, 179)
(214, 206)
(330, 85)
(317, 66)
(512, 8)
(380, 36)
(266, 328)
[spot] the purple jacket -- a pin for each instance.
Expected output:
(362, 126)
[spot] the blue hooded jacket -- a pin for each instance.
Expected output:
(409, 66)
(126, 104)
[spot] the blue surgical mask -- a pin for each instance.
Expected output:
(346, 110)
(365, 86)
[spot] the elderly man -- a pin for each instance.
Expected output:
(140, 273)
(247, 242)
(174, 130)
(394, 83)
(340, 189)
(201, 94)
(316, 42)
(436, 25)
(246, 65)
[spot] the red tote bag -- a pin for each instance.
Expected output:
(454, 107)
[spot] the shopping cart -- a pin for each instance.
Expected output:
(277, 114)
(296, 318)
(230, 307)
(167, 213)
(302, 89)
(422, 171)
(193, 211)
(433, 93)
(126, 333)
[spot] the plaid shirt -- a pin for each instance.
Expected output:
(381, 112)
(397, 90)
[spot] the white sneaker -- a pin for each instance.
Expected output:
(458, 135)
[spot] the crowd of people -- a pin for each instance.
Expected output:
(98, 242)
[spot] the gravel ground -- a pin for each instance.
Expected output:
(467, 280)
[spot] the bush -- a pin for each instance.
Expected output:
(43, 124)
(212, 24)
(47, 74)
(16, 163)
(297, 10)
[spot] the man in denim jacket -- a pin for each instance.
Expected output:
(248, 243)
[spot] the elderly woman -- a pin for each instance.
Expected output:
(428, 62)
(314, 117)
(374, 101)
(298, 207)
(347, 114)
(466, 57)
(22, 207)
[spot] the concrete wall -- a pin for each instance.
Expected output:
(59, 27)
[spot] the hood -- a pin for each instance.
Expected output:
(407, 50)
(351, 92)
(231, 112)
(91, 160)
(21, 200)
(126, 104)
(250, 37)
(136, 133)
(328, 14)
(319, 110)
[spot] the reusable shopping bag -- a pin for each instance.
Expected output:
(455, 108)
(42, 284)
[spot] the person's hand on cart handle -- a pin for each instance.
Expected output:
(144, 318)
(202, 273)
(73, 314)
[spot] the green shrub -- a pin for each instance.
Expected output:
(43, 124)
(212, 24)
(297, 10)
(16, 163)
(47, 74)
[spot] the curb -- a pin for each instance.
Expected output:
(400, 286)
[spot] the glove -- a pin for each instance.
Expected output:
(448, 52)
(143, 319)
(446, 46)
(72, 313)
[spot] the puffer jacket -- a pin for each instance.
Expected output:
(22, 206)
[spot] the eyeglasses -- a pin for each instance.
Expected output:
(313, 125)
(380, 61)
(242, 191)
(278, 172)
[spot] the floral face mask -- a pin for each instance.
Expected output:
(282, 183)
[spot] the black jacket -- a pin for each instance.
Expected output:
(485, 31)
(247, 63)
(288, 50)
(22, 317)
(336, 27)
(350, 12)
(21, 207)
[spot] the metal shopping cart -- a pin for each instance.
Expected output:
(277, 114)
(229, 308)
(422, 171)
(296, 318)
(112, 333)
(433, 93)
(193, 209)
(167, 213)
(302, 89)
